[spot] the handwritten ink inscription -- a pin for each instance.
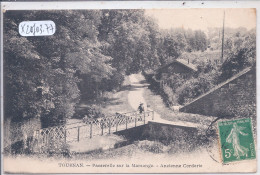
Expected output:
(37, 28)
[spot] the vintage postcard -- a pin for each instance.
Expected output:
(90, 87)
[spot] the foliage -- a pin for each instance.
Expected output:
(194, 87)
(201, 58)
(130, 38)
(170, 95)
(90, 112)
(198, 41)
(239, 53)
(90, 53)
(135, 42)
(175, 42)
(93, 50)
(151, 146)
(241, 56)
(40, 76)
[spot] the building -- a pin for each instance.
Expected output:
(179, 66)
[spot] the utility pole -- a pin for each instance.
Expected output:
(223, 31)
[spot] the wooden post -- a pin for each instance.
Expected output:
(47, 140)
(38, 138)
(65, 135)
(43, 138)
(91, 130)
(78, 133)
(109, 123)
(102, 132)
(117, 124)
(126, 121)
(144, 117)
(153, 116)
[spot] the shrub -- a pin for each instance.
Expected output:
(152, 146)
(195, 87)
(171, 96)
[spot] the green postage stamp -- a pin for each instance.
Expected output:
(236, 140)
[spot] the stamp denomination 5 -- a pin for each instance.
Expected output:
(236, 140)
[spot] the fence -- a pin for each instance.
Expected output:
(55, 137)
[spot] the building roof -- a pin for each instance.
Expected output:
(187, 64)
(183, 62)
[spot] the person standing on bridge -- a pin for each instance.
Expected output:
(141, 108)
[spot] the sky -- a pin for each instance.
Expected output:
(203, 18)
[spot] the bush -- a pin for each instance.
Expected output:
(89, 112)
(175, 80)
(152, 146)
(195, 87)
(171, 96)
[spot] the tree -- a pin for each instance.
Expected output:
(241, 56)
(200, 40)
(131, 40)
(41, 72)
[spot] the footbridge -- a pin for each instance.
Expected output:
(58, 136)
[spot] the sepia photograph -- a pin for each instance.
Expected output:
(148, 90)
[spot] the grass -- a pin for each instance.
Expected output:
(141, 152)
(110, 102)
(118, 101)
(138, 150)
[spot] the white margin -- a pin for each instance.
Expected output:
(58, 5)
(127, 5)
(1, 89)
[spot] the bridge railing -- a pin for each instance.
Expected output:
(56, 137)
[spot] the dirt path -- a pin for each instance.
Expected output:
(136, 96)
(136, 91)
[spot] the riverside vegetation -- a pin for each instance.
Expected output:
(93, 51)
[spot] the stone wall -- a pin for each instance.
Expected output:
(16, 132)
(168, 133)
(165, 133)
